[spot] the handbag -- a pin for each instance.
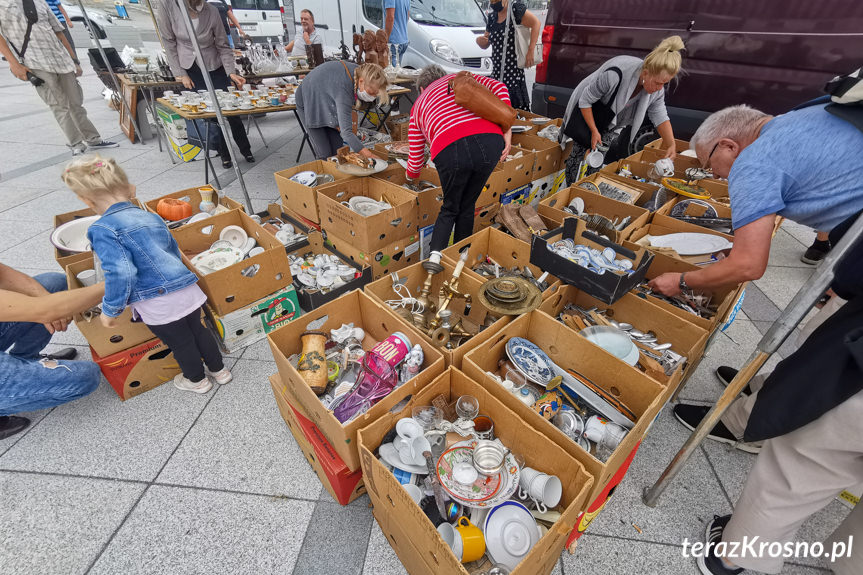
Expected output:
(476, 98)
(522, 44)
(603, 114)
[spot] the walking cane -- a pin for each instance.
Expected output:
(787, 321)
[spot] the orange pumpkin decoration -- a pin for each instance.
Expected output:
(173, 210)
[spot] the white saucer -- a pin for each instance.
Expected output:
(510, 533)
(391, 457)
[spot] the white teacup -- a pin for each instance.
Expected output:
(415, 492)
(87, 277)
(528, 474)
(452, 538)
(546, 491)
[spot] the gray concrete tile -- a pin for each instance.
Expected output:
(241, 443)
(262, 186)
(598, 555)
(691, 499)
(336, 540)
(781, 284)
(181, 530)
(61, 200)
(15, 232)
(731, 348)
(12, 195)
(785, 251)
(101, 436)
(803, 234)
(36, 252)
(757, 306)
(380, 557)
(35, 417)
(260, 351)
(59, 524)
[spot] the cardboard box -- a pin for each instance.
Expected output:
(373, 232)
(548, 155)
(501, 247)
(641, 171)
(517, 172)
(681, 145)
(595, 204)
(644, 396)
(383, 261)
(608, 287)
(661, 225)
(545, 187)
(517, 195)
(723, 298)
(106, 341)
(229, 289)
(686, 338)
(313, 299)
(429, 202)
(245, 326)
(342, 483)
(476, 315)
(133, 371)
(378, 323)
(397, 125)
(193, 196)
(276, 211)
(306, 223)
(303, 199)
(639, 191)
(484, 216)
(402, 515)
(64, 258)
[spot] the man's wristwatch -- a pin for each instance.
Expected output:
(682, 285)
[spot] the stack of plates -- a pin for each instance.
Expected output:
(510, 533)
(484, 492)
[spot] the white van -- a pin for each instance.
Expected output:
(260, 19)
(442, 32)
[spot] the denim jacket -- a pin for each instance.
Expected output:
(139, 256)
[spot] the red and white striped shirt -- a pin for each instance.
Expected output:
(436, 118)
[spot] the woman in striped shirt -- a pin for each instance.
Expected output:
(465, 149)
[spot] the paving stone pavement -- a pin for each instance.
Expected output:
(180, 483)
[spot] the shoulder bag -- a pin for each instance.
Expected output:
(473, 96)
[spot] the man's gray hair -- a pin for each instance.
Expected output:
(428, 75)
(737, 123)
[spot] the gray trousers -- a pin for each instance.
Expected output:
(795, 476)
(64, 96)
(799, 473)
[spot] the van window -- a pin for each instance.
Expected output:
(255, 4)
(373, 10)
(447, 13)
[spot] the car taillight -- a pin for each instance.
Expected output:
(542, 69)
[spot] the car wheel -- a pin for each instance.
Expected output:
(646, 134)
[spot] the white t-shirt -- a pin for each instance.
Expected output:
(300, 42)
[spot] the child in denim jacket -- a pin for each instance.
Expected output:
(143, 270)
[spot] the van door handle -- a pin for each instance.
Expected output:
(690, 26)
(264, 15)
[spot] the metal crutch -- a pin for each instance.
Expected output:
(806, 297)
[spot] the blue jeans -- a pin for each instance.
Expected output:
(400, 49)
(25, 383)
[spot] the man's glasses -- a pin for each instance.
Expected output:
(707, 165)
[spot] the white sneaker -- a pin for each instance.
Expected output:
(79, 149)
(221, 377)
(203, 386)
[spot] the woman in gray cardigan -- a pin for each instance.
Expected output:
(327, 98)
(619, 95)
(218, 58)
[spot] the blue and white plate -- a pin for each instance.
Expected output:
(530, 360)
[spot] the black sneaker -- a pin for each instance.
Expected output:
(725, 374)
(816, 252)
(708, 562)
(65, 353)
(12, 424)
(691, 415)
(103, 144)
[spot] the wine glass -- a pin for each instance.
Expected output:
(467, 407)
